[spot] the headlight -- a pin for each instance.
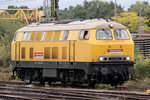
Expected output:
(111, 25)
(128, 58)
(101, 58)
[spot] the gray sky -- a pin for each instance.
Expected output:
(62, 3)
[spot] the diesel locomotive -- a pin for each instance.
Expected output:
(84, 51)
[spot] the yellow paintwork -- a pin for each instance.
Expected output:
(76, 50)
(148, 91)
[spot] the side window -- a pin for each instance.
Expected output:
(84, 35)
(33, 35)
(56, 35)
(15, 37)
(38, 35)
(29, 36)
(65, 35)
(48, 35)
(24, 36)
(43, 36)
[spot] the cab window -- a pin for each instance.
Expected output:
(65, 35)
(103, 35)
(121, 35)
(24, 36)
(84, 35)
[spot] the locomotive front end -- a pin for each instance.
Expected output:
(113, 54)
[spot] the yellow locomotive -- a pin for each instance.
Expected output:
(90, 51)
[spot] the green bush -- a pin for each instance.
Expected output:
(5, 57)
(104, 86)
(7, 30)
(137, 54)
(142, 67)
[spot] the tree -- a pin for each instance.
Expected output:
(12, 7)
(54, 9)
(15, 7)
(7, 30)
(23, 7)
(145, 8)
(41, 8)
(79, 12)
(131, 20)
(91, 9)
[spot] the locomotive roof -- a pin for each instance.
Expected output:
(75, 25)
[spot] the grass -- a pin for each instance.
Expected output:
(6, 74)
(142, 84)
(104, 87)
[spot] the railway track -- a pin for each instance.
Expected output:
(20, 91)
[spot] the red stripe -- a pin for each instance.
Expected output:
(115, 50)
(38, 54)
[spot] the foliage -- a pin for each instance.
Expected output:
(137, 53)
(104, 86)
(145, 12)
(142, 68)
(145, 8)
(7, 30)
(40, 8)
(142, 72)
(142, 84)
(5, 74)
(100, 9)
(5, 57)
(54, 8)
(89, 10)
(146, 28)
(15, 7)
(131, 20)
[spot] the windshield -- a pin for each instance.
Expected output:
(121, 35)
(103, 35)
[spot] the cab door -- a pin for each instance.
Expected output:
(17, 51)
(72, 51)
